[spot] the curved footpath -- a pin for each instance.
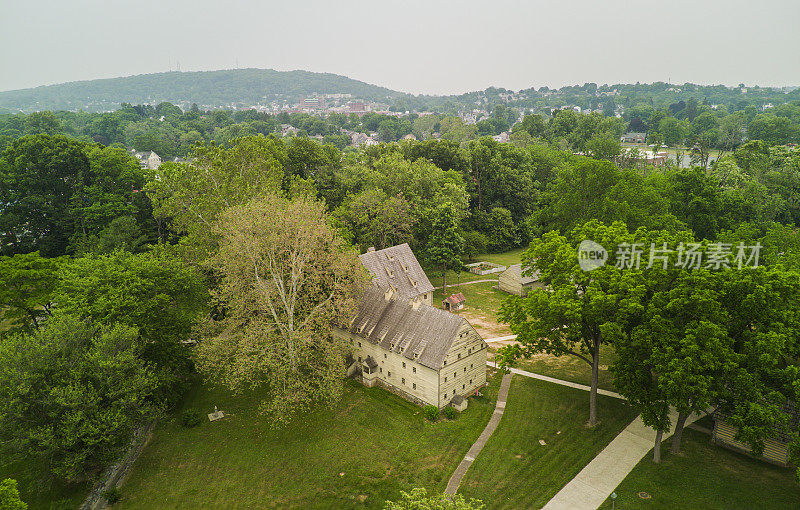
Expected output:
(494, 421)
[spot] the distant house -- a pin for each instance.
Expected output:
(424, 354)
(455, 302)
(396, 267)
(776, 447)
(148, 159)
(634, 138)
(514, 282)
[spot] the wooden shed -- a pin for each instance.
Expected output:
(514, 282)
(776, 447)
(455, 302)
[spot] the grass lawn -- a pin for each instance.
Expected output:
(514, 471)
(508, 258)
(707, 476)
(571, 368)
(381, 443)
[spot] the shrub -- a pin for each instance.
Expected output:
(191, 418)
(450, 413)
(431, 413)
(112, 495)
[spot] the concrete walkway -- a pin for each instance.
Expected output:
(595, 483)
(468, 283)
(553, 380)
(472, 454)
(500, 339)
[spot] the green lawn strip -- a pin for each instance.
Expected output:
(483, 304)
(37, 490)
(707, 476)
(508, 258)
(573, 369)
(381, 443)
(514, 470)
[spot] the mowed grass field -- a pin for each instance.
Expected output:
(514, 470)
(365, 450)
(707, 476)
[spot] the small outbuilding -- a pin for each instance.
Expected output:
(514, 282)
(455, 302)
(459, 403)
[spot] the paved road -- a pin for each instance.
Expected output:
(472, 454)
(595, 483)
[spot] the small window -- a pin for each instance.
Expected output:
(445, 379)
(415, 386)
(381, 369)
(463, 386)
(384, 355)
(470, 365)
(454, 392)
(388, 374)
(465, 369)
(403, 380)
(359, 358)
(454, 375)
(359, 344)
(404, 364)
(470, 382)
(459, 354)
(414, 369)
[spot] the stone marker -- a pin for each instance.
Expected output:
(216, 415)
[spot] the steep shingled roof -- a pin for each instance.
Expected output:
(421, 333)
(517, 270)
(397, 266)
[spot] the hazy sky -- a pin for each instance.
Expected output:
(436, 47)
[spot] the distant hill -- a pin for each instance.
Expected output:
(210, 88)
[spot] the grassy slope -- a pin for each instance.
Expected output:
(379, 441)
(514, 470)
(709, 477)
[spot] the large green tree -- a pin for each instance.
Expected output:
(157, 293)
(286, 278)
(72, 394)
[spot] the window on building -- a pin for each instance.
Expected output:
(359, 359)
(414, 386)
(470, 365)
(404, 364)
(454, 392)
(459, 354)
(463, 386)
(388, 374)
(414, 369)
(445, 379)
(470, 382)
(381, 369)
(454, 375)
(359, 344)
(384, 355)
(403, 380)
(465, 369)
